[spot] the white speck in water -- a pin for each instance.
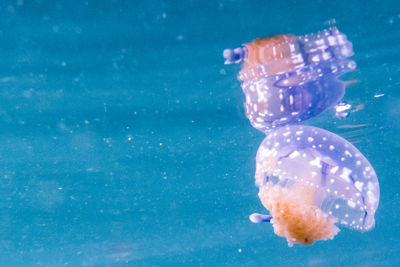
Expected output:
(378, 95)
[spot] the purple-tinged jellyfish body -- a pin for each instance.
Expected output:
(288, 79)
(310, 179)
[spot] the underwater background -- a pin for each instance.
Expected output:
(124, 140)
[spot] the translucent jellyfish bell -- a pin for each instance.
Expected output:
(289, 78)
(310, 179)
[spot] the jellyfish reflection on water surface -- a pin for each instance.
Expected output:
(310, 179)
(288, 78)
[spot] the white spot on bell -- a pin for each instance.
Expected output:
(334, 169)
(316, 162)
(294, 154)
(359, 185)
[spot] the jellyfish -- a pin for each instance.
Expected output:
(288, 78)
(311, 180)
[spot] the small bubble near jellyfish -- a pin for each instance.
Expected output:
(312, 180)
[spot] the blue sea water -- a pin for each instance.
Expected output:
(124, 140)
